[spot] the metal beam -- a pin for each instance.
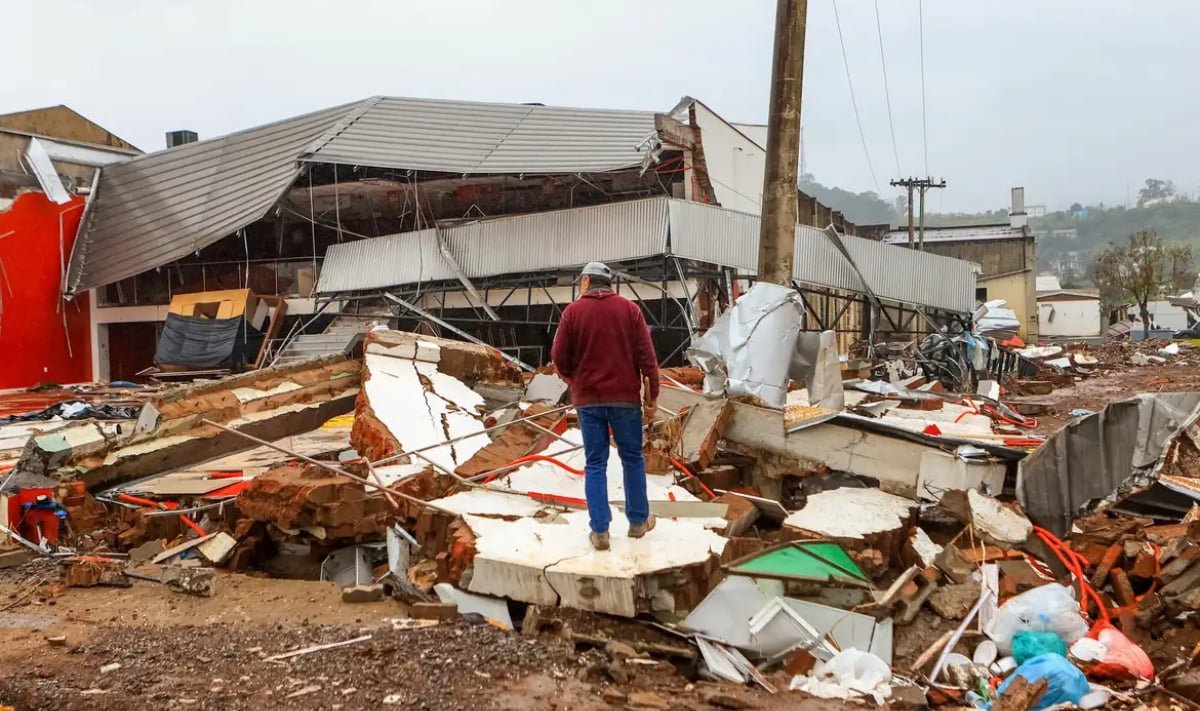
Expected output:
(425, 314)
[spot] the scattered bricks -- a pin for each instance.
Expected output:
(513, 442)
(1122, 589)
(1145, 566)
(954, 564)
(433, 611)
(800, 663)
(872, 562)
(721, 476)
(362, 593)
(91, 571)
(300, 497)
(662, 444)
(1110, 558)
(907, 595)
(741, 513)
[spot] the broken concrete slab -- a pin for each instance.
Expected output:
(269, 404)
(551, 562)
(702, 430)
(854, 514)
(996, 523)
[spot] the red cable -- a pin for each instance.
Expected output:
(1074, 563)
(684, 468)
(532, 458)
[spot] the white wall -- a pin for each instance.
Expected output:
(736, 164)
(1078, 319)
(1164, 315)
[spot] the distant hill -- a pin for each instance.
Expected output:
(860, 208)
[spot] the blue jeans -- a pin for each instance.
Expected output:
(626, 424)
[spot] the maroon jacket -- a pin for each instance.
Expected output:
(603, 347)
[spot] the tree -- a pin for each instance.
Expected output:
(1155, 189)
(1076, 207)
(1141, 271)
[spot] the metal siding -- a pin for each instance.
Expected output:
(721, 236)
(479, 138)
(406, 258)
(160, 207)
(511, 245)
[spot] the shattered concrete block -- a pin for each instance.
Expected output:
(65, 447)
(953, 602)
(308, 498)
(662, 443)
(741, 514)
(192, 581)
(363, 593)
(859, 519)
(703, 430)
(998, 524)
(417, 393)
(269, 404)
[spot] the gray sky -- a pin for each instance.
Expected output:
(1074, 99)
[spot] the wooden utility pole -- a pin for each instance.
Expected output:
(922, 185)
(777, 236)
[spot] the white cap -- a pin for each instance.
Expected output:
(599, 269)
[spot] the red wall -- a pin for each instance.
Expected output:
(33, 343)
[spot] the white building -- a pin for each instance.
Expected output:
(1068, 314)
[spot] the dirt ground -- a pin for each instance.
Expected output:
(1095, 392)
(211, 653)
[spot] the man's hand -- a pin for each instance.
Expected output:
(649, 410)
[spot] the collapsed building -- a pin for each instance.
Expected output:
(402, 211)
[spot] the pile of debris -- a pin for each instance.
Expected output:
(797, 544)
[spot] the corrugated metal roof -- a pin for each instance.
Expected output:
(633, 230)
(523, 243)
(481, 138)
(722, 236)
(157, 208)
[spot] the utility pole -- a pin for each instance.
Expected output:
(777, 236)
(922, 185)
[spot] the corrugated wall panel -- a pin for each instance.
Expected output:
(160, 207)
(721, 236)
(381, 262)
(508, 245)
(563, 238)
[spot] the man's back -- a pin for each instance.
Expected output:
(603, 347)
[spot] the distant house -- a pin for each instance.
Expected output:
(1068, 313)
(1006, 253)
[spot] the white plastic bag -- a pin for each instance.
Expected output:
(1049, 608)
(848, 674)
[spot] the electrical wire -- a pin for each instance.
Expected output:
(924, 124)
(887, 94)
(853, 101)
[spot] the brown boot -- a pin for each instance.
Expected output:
(599, 540)
(641, 529)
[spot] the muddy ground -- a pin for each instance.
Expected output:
(1093, 393)
(211, 653)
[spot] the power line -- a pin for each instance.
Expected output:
(924, 125)
(886, 92)
(853, 101)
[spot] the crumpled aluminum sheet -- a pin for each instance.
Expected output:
(751, 347)
(1106, 455)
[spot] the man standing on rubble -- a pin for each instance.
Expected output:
(603, 351)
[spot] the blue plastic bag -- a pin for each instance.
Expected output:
(1028, 644)
(1066, 683)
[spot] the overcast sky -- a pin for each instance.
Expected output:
(1077, 100)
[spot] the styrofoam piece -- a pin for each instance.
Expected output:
(545, 387)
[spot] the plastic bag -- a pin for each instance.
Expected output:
(1124, 659)
(1028, 644)
(1066, 684)
(1049, 608)
(848, 674)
